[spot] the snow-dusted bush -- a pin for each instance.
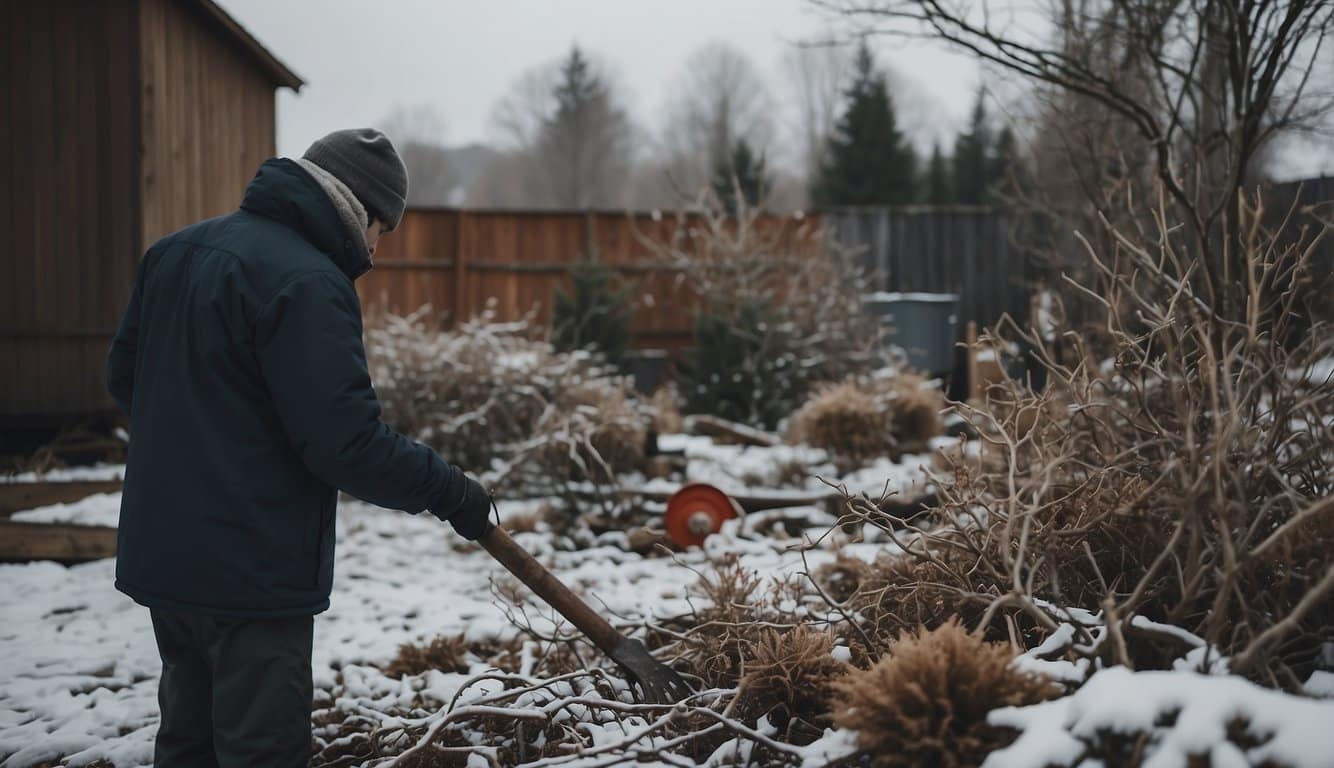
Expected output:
(779, 311)
(489, 394)
(926, 702)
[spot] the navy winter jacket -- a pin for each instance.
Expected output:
(241, 366)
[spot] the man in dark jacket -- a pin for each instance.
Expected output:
(241, 366)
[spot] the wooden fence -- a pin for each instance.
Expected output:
(940, 249)
(461, 261)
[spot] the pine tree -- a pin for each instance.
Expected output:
(972, 166)
(939, 187)
(743, 171)
(1007, 168)
(594, 314)
(582, 147)
(869, 162)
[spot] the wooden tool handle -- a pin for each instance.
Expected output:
(537, 578)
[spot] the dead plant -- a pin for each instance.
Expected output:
(926, 703)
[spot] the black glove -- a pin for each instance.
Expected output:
(471, 514)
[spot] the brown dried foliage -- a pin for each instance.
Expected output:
(443, 653)
(857, 420)
(1185, 480)
(926, 703)
(788, 678)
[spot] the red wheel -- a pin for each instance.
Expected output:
(696, 511)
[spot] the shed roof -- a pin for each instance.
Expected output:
(229, 26)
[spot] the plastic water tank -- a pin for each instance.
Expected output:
(924, 325)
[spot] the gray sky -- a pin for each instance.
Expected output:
(361, 59)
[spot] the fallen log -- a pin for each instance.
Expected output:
(62, 542)
(713, 426)
(15, 497)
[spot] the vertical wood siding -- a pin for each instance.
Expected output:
(69, 219)
(123, 120)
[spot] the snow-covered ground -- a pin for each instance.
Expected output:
(79, 667)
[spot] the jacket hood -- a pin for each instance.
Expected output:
(282, 191)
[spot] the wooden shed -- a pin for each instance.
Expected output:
(123, 120)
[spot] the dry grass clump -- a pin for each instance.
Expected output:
(916, 405)
(857, 420)
(788, 678)
(443, 653)
(899, 593)
(926, 703)
(848, 419)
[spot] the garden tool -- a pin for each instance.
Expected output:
(658, 683)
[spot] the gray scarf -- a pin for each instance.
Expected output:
(350, 210)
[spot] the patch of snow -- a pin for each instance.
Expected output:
(1186, 714)
(1320, 684)
(96, 472)
(98, 509)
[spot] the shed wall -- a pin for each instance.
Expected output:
(124, 120)
(69, 218)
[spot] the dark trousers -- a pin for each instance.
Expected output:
(234, 692)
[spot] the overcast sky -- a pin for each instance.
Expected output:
(360, 60)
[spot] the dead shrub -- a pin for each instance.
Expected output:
(721, 632)
(489, 392)
(926, 703)
(788, 679)
(858, 420)
(849, 420)
(443, 653)
(1174, 468)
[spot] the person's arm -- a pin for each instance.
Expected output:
(121, 357)
(308, 339)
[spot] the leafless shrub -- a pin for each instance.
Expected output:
(926, 702)
(490, 396)
(1186, 479)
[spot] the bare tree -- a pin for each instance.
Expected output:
(719, 99)
(418, 133)
(816, 72)
(1201, 85)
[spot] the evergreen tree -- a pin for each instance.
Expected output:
(972, 166)
(869, 162)
(1007, 168)
(595, 314)
(583, 145)
(742, 171)
(939, 186)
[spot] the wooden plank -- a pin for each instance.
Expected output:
(25, 542)
(15, 497)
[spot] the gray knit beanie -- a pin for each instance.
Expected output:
(365, 160)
